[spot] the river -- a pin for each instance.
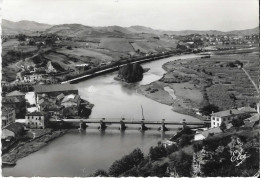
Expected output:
(79, 154)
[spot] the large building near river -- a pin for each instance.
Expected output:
(54, 90)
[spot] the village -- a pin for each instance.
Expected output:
(36, 101)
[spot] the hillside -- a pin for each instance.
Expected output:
(82, 31)
(24, 26)
(79, 30)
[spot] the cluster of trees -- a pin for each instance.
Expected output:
(131, 73)
(22, 88)
(208, 109)
(126, 163)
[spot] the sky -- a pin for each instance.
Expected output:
(221, 15)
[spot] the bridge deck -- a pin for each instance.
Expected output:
(118, 121)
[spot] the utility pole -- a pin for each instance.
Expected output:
(142, 112)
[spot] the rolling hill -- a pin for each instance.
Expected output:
(78, 30)
(24, 26)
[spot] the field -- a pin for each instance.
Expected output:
(198, 82)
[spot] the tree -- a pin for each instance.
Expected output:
(157, 152)
(237, 122)
(21, 37)
(223, 126)
(208, 109)
(182, 163)
(126, 163)
(185, 140)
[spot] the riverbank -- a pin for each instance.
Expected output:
(173, 89)
(24, 148)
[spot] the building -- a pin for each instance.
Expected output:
(247, 110)
(71, 100)
(12, 131)
(71, 105)
(252, 121)
(204, 134)
(36, 120)
(82, 67)
(8, 116)
(16, 93)
(16, 102)
(34, 77)
(226, 117)
(53, 67)
(54, 90)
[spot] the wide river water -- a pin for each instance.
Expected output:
(80, 154)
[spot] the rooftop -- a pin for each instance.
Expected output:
(54, 88)
(254, 118)
(227, 113)
(247, 109)
(214, 130)
(17, 128)
(71, 97)
(35, 113)
(15, 93)
(10, 100)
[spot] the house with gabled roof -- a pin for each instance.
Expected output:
(13, 130)
(204, 134)
(36, 120)
(226, 116)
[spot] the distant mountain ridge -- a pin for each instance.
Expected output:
(79, 30)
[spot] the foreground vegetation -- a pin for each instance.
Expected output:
(215, 155)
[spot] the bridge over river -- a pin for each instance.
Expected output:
(103, 123)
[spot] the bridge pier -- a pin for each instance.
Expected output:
(163, 128)
(184, 124)
(82, 125)
(206, 124)
(143, 127)
(102, 125)
(122, 125)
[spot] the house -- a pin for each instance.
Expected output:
(14, 130)
(53, 67)
(16, 93)
(247, 110)
(16, 102)
(71, 104)
(36, 120)
(204, 134)
(60, 96)
(71, 100)
(226, 117)
(8, 115)
(82, 67)
(252, 121)
(34, 77)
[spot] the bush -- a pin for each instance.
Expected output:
(69, 47)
